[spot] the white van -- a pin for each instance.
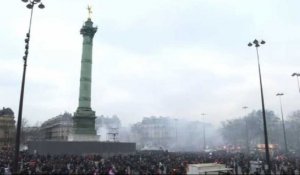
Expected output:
(207, 169)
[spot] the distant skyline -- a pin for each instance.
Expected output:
(171, 58)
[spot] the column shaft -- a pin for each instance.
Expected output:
(86, 74)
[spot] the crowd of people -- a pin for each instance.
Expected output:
(140, 163)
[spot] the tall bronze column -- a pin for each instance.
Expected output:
(84, 117)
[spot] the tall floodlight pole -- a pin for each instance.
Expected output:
(283, 126)
(204, 139)
(176, 134)
(297, 75)
(30, 6)
(247, 134)
(256, 43)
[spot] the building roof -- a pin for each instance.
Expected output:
(6, 111)
(63, 119)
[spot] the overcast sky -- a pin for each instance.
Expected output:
(176, 58)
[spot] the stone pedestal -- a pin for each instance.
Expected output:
(83, 137)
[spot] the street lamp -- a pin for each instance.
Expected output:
(247, 134)
(30, 5)
(283, 126)
(297, 75)
(204, 140)
(256, 43)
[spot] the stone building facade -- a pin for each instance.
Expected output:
(7, 127)
(154, 132)
(57, 128)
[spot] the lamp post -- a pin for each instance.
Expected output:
(297, 75)
(283, 126)
(204, 140)
(30, 5)
(247, 134)
(176, 134)
(256, 43)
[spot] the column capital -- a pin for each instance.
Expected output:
(88, 29)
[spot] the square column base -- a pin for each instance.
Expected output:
(84, 122)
